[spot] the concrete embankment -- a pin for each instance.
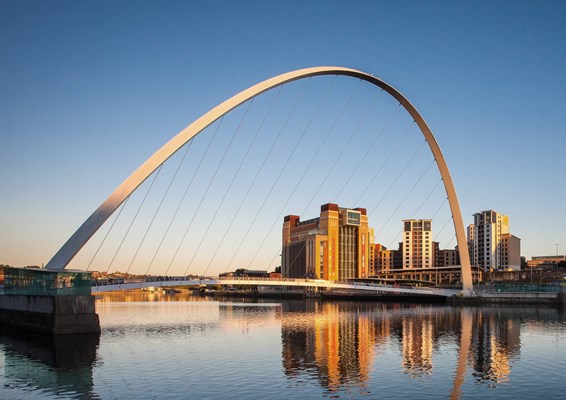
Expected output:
(478, 298)
(539, 298)
(53, 315)
(332, 296)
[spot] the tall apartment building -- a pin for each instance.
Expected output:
(418, 251)
(493, 246)
(471, 233)
(334, 246)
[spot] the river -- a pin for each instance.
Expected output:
(178, 346)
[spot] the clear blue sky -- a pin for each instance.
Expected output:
(90, 89)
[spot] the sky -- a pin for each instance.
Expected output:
(90, 89)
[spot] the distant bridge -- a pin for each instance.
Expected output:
(361, 288)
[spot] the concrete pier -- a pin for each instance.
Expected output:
(48, 302)
(53, 315)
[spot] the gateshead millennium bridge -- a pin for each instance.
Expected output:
(84, 233)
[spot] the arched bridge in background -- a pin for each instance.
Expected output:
(109, 206)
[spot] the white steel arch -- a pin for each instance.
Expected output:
(62, 258)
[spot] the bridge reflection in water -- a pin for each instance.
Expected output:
(356, 349)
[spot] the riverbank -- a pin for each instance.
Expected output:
(478, 298)
(526, 298)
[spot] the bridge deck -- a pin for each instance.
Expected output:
(362, 287)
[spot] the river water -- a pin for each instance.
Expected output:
(156, 346)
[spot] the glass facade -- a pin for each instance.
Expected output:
(34, 281)
(353, 218)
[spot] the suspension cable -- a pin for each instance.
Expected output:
(260, 128)
(306, 170)
(368, 150)
(155, 175)
(186, 191)
(175, 213)
(279, 176)
(426, 198)
(331, 169)
(210, 183)
(261, 168)
(158, 208)
(450, 242)
(445, 225)
(333, 166)
(406, 196)
(278, 253)
(416, 211)
(229, 186)
(433, 215)
(397, 178)
(108, 232)
(383, 163)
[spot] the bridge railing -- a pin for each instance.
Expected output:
(519, 288)
(120, 281)
(246, 279)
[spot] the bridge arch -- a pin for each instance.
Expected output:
(62, 258)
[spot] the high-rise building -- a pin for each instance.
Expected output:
(471, 233)
(418, 251)
(334, 246)
(493, 246)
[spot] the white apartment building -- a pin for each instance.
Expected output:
(418, 251)
(492, 246)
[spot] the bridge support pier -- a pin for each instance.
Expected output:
(47, 302)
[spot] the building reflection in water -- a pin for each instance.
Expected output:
(496, 342)
(336, 342)
(339, 346)
(339, 342)
(416, 334)
(60, 365)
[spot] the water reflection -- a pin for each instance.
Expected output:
(339, 343)
(337, 346)
(61, 365)
(150, 296)
(187, 346)
(496, 342)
